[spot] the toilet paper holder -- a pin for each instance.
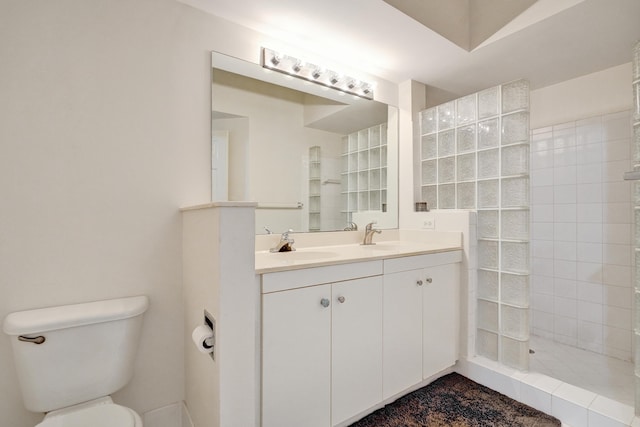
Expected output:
(210, 321)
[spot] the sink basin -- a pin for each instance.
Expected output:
(303, 255)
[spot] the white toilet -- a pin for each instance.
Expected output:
(69, 359)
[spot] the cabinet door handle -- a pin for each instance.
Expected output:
(341, 299)
(429, 280)
(419, 283)
(325, 302)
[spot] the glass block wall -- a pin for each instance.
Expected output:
(364, 171)
(636, 163)
(314, 188)
(474, 154)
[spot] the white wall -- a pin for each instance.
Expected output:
(104, 134)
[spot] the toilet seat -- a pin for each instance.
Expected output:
(102, 415)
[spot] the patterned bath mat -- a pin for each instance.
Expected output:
(456, 401)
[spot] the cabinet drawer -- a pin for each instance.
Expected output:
(283, 280)
(396, 265)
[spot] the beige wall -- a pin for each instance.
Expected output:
(104, 134)
(603, 92)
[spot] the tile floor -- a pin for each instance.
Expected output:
(606, 376)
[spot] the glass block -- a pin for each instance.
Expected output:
(374, 136)
(383, 134)
(374, 179)
(488, 315)
(487, 225)
(383, 178)
(374, 200)
(636, 142)
(345, 163)
(466, 194)
(488, 254)
(488, 134)
(353, 161)
(488, 285)
(515, 128)
(487, 344)
(637, 258)
(515, 225)
(345, 144)
(466, 109)
(353, 142)
(488, 103)
(515, 257)
(363, 180)
(353, 202)
(488, 163)
(446, 115)
(636, 364)
(515, 192)
(363, 160)
(515, 354)
(446, 143)
(429, 172)
(344, 183)
(314, 187)
(428, 123)
(383, 156)
(635, 113)
(636, 213)
(636, 296)
(636, 65)
(429, 147)
(447, 196)
(514, 322)
(466, 167)
(363, 139)
(353, 181)
(514, 289)
(515, 96)
(636, 192)
(466, 139)
(430, 195)
(374, 157)
(446, 169)
(363, 201)
(515, 160)
(488, 192)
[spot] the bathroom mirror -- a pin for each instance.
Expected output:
(314, 159)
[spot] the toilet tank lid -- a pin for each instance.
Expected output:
(69, 316)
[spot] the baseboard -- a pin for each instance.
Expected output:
(173, 415)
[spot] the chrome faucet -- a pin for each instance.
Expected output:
(351, 227)
(285, 244)
(368, 233)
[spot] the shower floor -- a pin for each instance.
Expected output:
(600, 374)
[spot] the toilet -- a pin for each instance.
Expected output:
(69, 359)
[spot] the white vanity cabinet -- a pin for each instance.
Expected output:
(321, 345)
(421, 318)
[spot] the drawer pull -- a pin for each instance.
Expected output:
(429, 280)
(419, 283)
(325, 302)
(341, 299)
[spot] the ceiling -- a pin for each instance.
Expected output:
(455, 46)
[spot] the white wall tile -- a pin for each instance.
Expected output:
(565, 156)
(589, 154)
(589, 272)
(614, 171)
(566, 232)
(615, 192)
(544, 267)
(589, 173)
(542, 195)
(619, 275)
(589, 212)
(590, 312)
(570, 403)
(617, 213)
(616, 338)
(566, 327)
(618, 296)
(589, 252)
(565, 288)
(543, 321)
(565, 269)
(589, 232)
(542, 248)
(542, 213)
(617, 233)
(563, 194)
(564, 175)
(616, 254)
(542, 141)
(543, 284)
(564, 212)
(541, 159)
(565, 307)
(565, 251)
(589, 131)
(542, 230)
(617, 150)
(589, 193)
(617, 317)
(590, 333)
(592, 292)
(542, 177)
(543, 303)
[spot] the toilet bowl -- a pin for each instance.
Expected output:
(97, 413)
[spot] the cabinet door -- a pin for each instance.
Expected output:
(356, 347)
(402, 331)
(441, 318)
(296, 363)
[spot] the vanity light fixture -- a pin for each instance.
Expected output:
(295, 67)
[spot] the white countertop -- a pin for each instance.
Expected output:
(267, 262)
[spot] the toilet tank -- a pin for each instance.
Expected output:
(88, 351)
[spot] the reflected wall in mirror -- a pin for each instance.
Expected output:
(314, 159)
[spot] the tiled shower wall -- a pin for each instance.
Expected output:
(636, 166)
(581, 234)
